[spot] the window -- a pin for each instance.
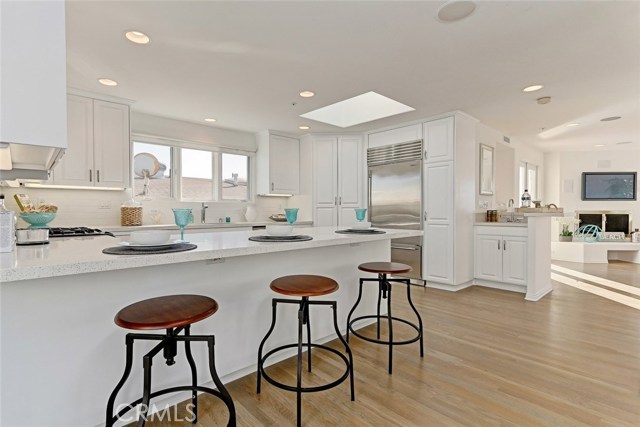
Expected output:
(151, 170)
(171, 170)
(235, 177)
(528, 179)
(196, 174)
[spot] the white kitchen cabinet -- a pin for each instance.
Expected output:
(98, 153)
(395, 136)
(438, 254)
(438, 140)
(501, 254)
(337, 179)
(277, 164)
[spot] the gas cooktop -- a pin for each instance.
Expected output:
(77, 231)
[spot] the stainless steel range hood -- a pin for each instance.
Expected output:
(33, 108)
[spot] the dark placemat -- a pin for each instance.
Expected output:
(354, 231)
(124, 250)
(298, 238)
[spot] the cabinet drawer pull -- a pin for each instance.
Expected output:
(98, 175)
(498, 244)
(90, 176)
(272, 186)
(504, 245)
(340, 201)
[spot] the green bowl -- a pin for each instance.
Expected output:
(38, 220)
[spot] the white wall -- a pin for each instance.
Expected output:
(509, 172)
(563, 178)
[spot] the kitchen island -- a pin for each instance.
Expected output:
(61, 354)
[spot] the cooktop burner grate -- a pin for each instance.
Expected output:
(77, 231)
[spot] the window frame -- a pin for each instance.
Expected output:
(216, 151)
(527, 168)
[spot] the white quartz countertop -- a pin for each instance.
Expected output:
(77, 255)
(196, 226)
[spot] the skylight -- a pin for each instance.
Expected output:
(359, 109)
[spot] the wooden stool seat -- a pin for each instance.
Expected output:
(304, 285)
(172, 311)
(384, 267)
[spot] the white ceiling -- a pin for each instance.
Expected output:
(244, 63)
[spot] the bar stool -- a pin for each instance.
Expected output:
(384, 292)
(175, 314)
(304, 286)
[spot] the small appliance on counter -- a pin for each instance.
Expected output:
(32, 236)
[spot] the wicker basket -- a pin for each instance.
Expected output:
(131, 215)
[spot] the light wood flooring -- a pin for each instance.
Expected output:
(491, 359)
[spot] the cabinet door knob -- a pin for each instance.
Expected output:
(90, 176)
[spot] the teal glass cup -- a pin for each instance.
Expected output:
(360, 214)
(292, 215)
(183, 217)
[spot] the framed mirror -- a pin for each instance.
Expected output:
(486, 170)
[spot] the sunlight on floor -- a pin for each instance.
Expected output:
(596, 290)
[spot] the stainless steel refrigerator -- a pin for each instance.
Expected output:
(395, 198)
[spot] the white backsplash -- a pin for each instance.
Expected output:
(96, 208)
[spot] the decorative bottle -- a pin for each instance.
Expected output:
(525, 199)
(7, 227)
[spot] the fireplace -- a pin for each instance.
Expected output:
(608, 221)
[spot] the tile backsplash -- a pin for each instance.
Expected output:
(96, 208)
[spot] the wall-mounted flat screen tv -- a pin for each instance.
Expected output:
(608, 185)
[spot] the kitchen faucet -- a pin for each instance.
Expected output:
(202, 212)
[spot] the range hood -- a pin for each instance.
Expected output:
(33, 82)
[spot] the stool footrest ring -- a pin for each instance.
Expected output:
(305, 389)
(135, 403)
(384, 317)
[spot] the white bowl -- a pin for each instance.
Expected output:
(279, 230)
(361, 225)
(149, 237)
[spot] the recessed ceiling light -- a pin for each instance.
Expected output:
(599, 145)
(303, 127)
(610, 119)
(307, 94)
(210, 120)
(623, 142)
(455, 10)
(137, 37)
(532, 88)
(108, 82)
(359, 109)
(570, 125)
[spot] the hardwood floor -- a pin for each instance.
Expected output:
(491, 359)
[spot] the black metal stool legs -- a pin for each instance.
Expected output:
(168, 345)
(385, 292)
(303, 319)
(194, 375)
(127, 371)
(224, 394)
(413, 307)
